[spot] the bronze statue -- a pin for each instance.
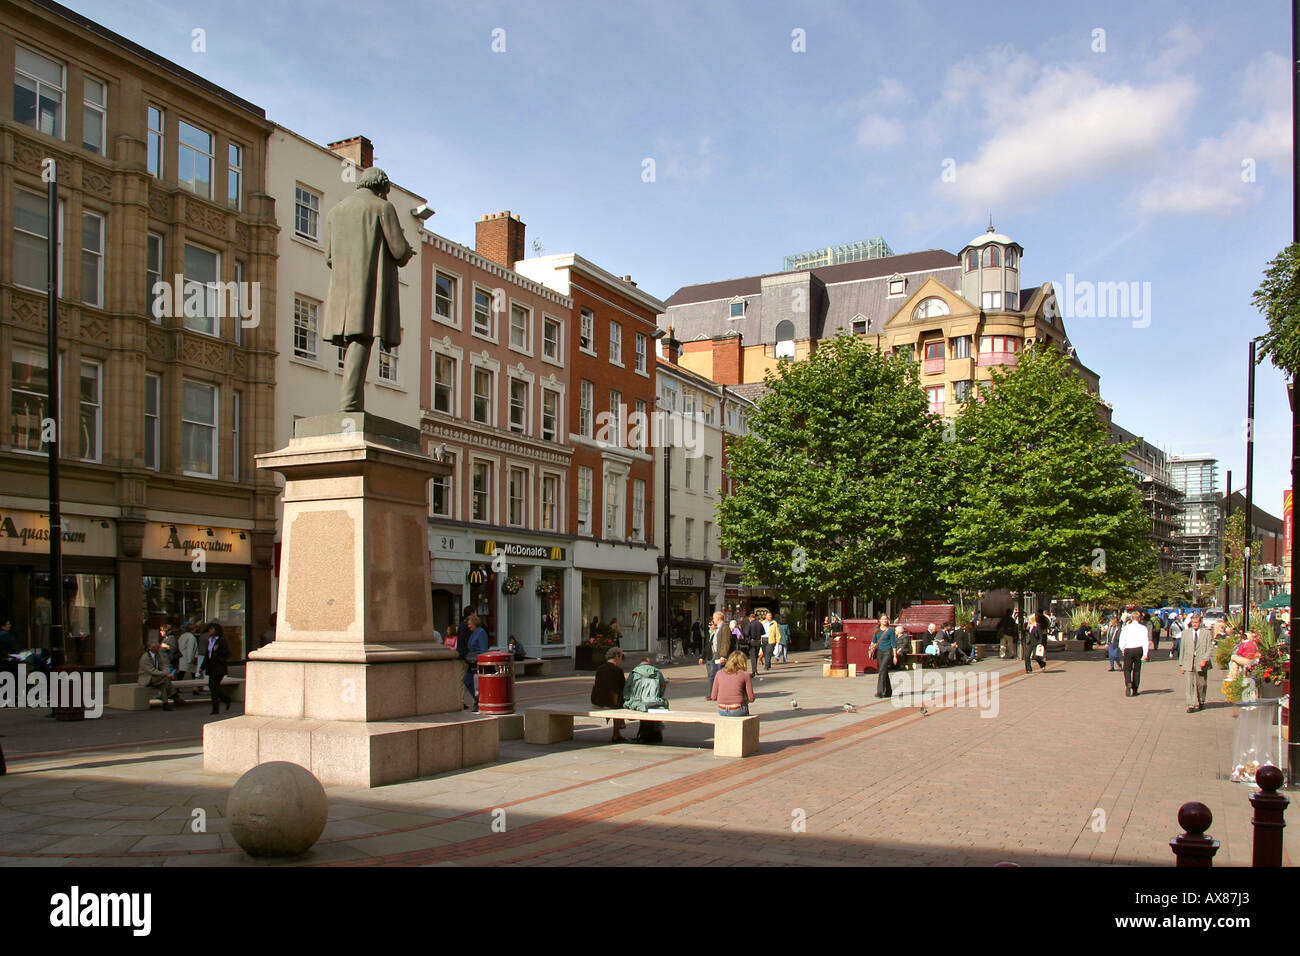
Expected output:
(364, 247)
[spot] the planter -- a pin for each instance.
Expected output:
(587, 658)
(1269, 691)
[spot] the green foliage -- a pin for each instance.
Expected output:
(1045, 502)
(1223, 649)
(1278, 297)
(1086, 614)
(842, 484)
(1233, 547)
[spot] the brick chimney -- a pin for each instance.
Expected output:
(728, 359)
(500, 237)
(358, 150)
(672, 347)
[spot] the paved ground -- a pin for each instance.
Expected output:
(1069, 771)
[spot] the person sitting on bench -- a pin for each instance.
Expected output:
(153, 673)
(607, 691)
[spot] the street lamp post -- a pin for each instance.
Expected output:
(1250, 486)
(1293, 730)
(52, 445)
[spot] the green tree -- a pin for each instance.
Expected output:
(1278, 297)
(1233, 547)
(841, 485)
(1044, 502)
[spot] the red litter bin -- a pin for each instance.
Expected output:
(496, 683)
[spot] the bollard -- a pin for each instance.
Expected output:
(1270, 806)
(1193, 848)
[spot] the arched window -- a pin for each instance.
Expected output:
(992, 257)
(972, 260)
(930, 308)
(785, 339)
(1011, 258)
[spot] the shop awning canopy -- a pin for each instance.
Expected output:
(1282, 600)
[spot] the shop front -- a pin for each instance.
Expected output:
(517, 585)
(691, 602)
(619, 593)
(89, 592)
(194, 574)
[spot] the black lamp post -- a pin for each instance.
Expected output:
(1293, 730)
(52, 445)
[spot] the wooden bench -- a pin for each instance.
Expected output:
(732, 736)
(141, 696)
(534, 666)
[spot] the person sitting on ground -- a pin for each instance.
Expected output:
(733, 688)
(646, 689)
(607, 691)
(153, 673)
(516, 649)
(8, 646)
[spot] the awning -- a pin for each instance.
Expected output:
(1282, 600)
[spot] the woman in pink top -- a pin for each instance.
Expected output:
(733, 688)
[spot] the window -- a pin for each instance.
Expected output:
(483, 396)
(613, 506)
(708, 474)
(688, 543)
(668, 397)
(584, 500)
(785, 339)
(550, 502)
(152, 425)
(587, 331)
(153, 272)
(641, 346)
(998, 349)
(38, 92)
(935, 363)
(930, 308)
(29, 398)
(992, 257)
(961, 390)
(737, 309)
(92, 258)
(235, 453)
(157, 136)
(586, 403)
(199, 429)
(440, 494)
(444, 384)
(1011, 258)
(704, 543)
(481, 492)
(31, 238)
(642, 425)
(961, 347)
(638, 510)
(710, 412)
(972, 260)
(519, 328)
(934, 395)
(483, 313)
(236, 307)
(860, 326)
(615, 343)
(905, 353)
(306, 327)
(202, 267)
(306, 213)
(194, 160)
(897, 285)
(387, 363)
(687, 472)
(90, 410)
(444, 297)
(550, 414)
(518, 498)
(234, 174)
(551, 339)
(94, 111)
(341, 352)
(615, 417)
(992, 300)
(518, 405)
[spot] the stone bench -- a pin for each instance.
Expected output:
(732, 736)
(533, 666)
(140, 696)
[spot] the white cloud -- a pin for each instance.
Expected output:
(879, 132)
(1182, 44)
(1068, 126)
(684, 162)
(890, 92)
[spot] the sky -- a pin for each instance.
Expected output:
(1144, 144)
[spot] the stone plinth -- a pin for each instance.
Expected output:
(354, 687)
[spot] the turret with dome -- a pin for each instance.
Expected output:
(990, 276)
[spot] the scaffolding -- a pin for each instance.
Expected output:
(875, 248)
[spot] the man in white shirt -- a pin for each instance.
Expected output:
(1134, 642)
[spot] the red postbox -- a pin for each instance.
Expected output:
(496, 683)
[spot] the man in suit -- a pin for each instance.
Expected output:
(755, 636)
(719, 638)
(153, 673)
(1194, 661)
(217, 652)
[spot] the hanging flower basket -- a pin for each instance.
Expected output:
(547, 588)
(512, 584)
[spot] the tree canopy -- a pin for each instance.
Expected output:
(1278, 297)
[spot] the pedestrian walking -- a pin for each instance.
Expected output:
(1194, 662)
(755, 636)
(783, 648)
(1134, 644)
(721, 639)
(218, 653)
(1176, 629)
(885, 648)
(1112, 641)
(1035, 646)
(773, 638)
(188, 646)
(476, 645)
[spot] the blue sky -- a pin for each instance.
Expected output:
(1114, 164)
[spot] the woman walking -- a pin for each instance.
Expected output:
(218, 652)
(885, 648)
(1034, 648)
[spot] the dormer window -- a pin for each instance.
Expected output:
(737, 308)
(930, 308)
(897, 285)
(859, 324)
(785, 339)
(992, 257)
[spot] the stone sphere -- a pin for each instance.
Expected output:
(277, 809)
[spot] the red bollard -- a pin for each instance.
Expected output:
(1270, 806)
(1193, 848)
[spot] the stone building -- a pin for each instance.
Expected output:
(167, 253)
(1162, 502)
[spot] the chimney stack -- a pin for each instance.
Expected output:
(358, 150)
(672, 347)
(728, 359)
(500, 237)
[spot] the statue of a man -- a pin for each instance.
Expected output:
(364, 246)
